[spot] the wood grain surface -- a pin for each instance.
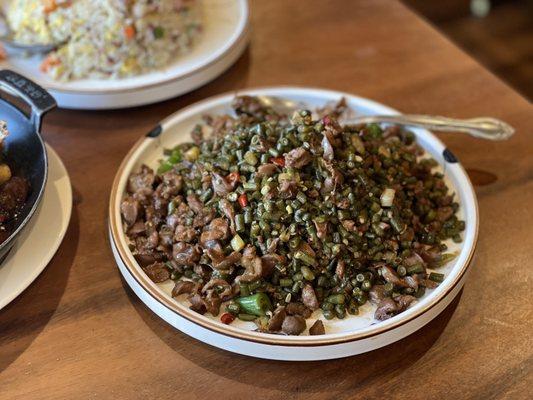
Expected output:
(78, 332)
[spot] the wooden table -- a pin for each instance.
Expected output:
(80, 332)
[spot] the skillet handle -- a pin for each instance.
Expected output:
(35, 96)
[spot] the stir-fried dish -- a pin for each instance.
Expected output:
(271, 217)
(106, 38)
(14, 191)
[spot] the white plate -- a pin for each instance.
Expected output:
(224, 38)
(354, 334)
(40, 241)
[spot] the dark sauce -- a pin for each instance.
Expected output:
(13, 195)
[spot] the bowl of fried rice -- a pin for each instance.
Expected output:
(106, 38)
(122, 53)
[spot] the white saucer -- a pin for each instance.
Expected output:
(40, 241)
(223, 39)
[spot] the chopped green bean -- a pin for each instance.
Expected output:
(436, 277)
(336, 299)
(246, 317)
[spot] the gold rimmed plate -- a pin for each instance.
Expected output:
(352, 335)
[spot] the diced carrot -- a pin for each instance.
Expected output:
(49, 6)
(129, 32)
(49, 62)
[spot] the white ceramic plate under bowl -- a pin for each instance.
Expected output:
(36, 247)
(223, 39)
(352, 335)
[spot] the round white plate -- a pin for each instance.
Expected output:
(40, 241)
(352, 335)
(223, 39)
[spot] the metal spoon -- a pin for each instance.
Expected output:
(13, 47)
(483, 127)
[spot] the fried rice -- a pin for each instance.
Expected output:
(106, 38)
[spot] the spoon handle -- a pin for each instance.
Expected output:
(483, 127)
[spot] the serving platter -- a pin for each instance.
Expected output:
(38, 244)
(354, 334)
(223, 39)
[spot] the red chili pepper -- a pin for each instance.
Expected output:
(243, 200)
(279, 161)
(233, 177)
(227, 318)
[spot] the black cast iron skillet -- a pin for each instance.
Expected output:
(24, 149)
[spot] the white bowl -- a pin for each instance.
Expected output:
(223, 39)
(354, 334)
